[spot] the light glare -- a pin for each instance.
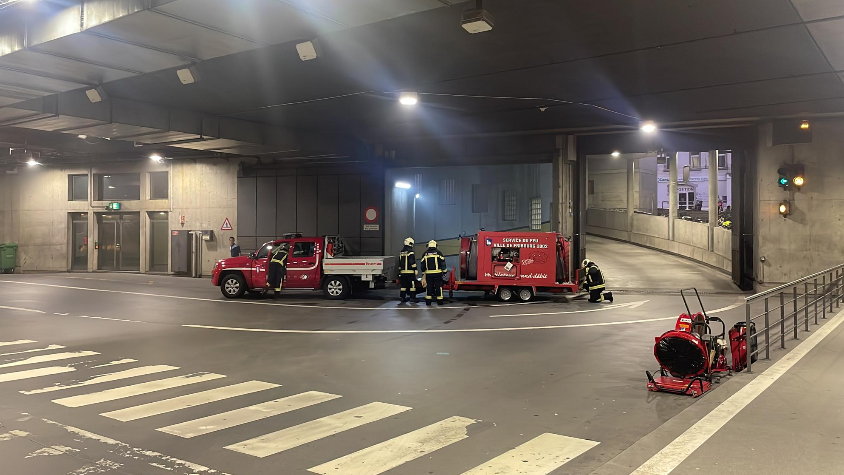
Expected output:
(403, 185)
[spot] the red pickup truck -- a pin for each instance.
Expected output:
(314, 263)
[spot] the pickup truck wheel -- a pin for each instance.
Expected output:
(337, 288)
(505, 294)
(233, 286)
(525, 294)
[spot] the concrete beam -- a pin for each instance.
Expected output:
(672, 194)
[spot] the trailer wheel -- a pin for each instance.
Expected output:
(337, 288)
(233, 286)
(505, 294)
(525, 294)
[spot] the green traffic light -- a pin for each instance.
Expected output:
(783, 180)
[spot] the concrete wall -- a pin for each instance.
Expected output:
(809, 240)
(34, 209)
(690, 238)
(445, 222)
(608, 176)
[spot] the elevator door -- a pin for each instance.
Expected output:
(120, 242)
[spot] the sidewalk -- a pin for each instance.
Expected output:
(796, 426)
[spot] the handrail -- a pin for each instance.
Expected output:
(792, 284)
(820, 291)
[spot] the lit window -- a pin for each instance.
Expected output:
(510, 206)
(535, 214)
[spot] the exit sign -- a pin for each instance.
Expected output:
(113, 206)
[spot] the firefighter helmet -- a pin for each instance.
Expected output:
(432, 243)
(586, 263)
(408, 241)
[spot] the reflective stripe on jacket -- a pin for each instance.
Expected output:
(407, 261)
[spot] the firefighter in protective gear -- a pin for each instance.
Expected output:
(277, 269)
(433, 268)
(593, 281)
(407, 271)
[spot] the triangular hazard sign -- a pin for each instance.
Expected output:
(227, 225)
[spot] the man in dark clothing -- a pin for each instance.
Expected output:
(277, 269)
(233, 247)
(407, 271)
(593, 281)
(433, 268)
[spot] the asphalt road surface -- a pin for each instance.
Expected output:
(140, 374)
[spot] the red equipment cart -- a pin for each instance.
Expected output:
(691, 357)
(513, 265)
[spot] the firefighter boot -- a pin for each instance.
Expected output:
(608, 296)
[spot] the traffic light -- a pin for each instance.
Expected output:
(791, 175)
(785, 208)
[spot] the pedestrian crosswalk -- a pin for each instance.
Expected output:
(539, 456)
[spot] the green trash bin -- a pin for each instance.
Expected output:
(8, 257)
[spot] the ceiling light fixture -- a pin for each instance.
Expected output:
(97, 94)
(32, 162)
(408, 98)
(403, 185)
(156, 158)
(477, 20)
(308, 50)
(804, 125)
(648, 127)
(188, 75)
(616, 154)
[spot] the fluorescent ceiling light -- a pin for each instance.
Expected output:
(403, 185)
(31, 162)
(616, 154)
(408, 98)
(648, 127)
(156, 158)
(97, 94)
(188, 75)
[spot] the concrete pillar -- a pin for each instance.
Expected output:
(562, 185)
(672, 194)
(631, 189)
(713, 197)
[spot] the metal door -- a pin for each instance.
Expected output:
(79, 241)
(119, 242)
(303, 265)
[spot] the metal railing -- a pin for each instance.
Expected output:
(796, 304)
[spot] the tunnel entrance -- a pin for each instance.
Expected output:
(676, 192)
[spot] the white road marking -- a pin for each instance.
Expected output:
(22, 309)
(670, 457)
(189, 400)
(62, 314)
(729, 307)
(123, 449)
(599, 309)
(115, 362)
(244, 415)
(538, 456)
(248, 302)
(451, 330)
(295, 436)
(12, 434)
(48, 348)
(47, 358)
(389, 454)
(135, 390)
(34, 373)
(105, 378)
(16, 342)
(112, 319)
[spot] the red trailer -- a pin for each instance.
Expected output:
(514, 265)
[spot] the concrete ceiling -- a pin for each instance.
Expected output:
(602, 63)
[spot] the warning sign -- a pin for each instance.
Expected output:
(227, 225)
